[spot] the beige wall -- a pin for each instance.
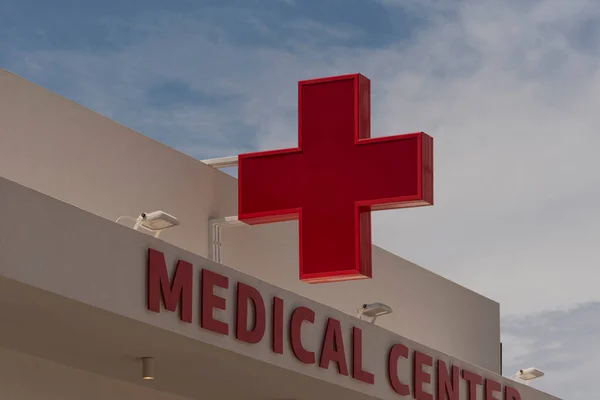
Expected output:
(24, 377)
(70, 153)
(427, 308)
(62, 267)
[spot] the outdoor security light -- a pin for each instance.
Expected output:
(528, 374)
(155, 221)
(373, 311)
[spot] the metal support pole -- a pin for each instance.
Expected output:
(222, 162)
(214, 234)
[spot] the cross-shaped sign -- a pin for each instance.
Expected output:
(334, 178)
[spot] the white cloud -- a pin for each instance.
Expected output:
(505, 88)
(563, 344)
(502, 86)
(508, 89)
(516, 172)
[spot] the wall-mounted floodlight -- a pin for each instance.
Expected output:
(528, 374)
(373, 311)
(155, 221)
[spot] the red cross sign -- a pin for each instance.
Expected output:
(336, 176)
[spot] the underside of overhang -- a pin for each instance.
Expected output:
(71, 333)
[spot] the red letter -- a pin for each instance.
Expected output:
(245, 293)
(211, 301)
(491, 387)
(511, 394)
(473, 380)
(277, 325)
(179, 290)
(397, 351)
(333, 347)
(446, 391)
(300, 315)
(421, 376)
(357, 365)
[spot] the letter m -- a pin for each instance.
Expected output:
(179, 290)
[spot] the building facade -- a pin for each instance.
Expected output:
(85, 298)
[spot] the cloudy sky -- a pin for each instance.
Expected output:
(509, 89)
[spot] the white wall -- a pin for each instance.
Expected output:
(25, 377)
(75, 155)
(427, 308)
(70, 153)
(90, 275)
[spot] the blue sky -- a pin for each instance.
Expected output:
(152, 59)
(509, 90)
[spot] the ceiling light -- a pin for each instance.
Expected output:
(148, 368)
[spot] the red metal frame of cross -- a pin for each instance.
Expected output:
(334, 178)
